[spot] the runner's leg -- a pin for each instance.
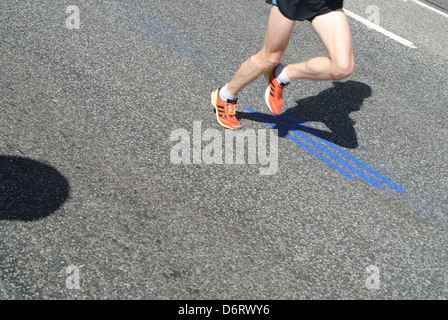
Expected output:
(277, 37)
(334, 31)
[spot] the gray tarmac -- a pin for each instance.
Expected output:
(94, 207)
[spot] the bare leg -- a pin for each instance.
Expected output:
(277, 37)
(334, 31)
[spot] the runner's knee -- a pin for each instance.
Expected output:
(273, 60)
(342, 70)
(268, 60)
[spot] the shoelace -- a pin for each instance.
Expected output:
(231, 110)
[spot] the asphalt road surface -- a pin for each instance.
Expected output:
(349, 201)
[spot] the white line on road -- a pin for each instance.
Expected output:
(376, 27)
(430, 8)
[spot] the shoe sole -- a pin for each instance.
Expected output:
(267, 92)
(214, 98)
(266, 97)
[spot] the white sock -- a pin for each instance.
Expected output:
(225, 95)
(280, 74)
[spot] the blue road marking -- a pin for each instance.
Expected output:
(303, 145)
(330, 154)
(346, 154)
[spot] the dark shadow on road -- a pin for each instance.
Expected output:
(29, 190)
(331, 107)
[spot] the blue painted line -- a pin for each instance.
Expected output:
(329, 153)
(432, 202)
(117, 15)
(419, 194)
(150, 27)
(303, 145)
(162, 38)
(162, 29)
(166, 35)
(345, 154)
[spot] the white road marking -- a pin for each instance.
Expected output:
(430, 8)
(376, 27)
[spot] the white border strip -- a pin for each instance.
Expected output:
(376, 27)
(430, 8)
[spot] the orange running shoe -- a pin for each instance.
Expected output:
(225, 111)
(274, 93)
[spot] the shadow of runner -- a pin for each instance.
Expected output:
(331, 107)
(29, 190)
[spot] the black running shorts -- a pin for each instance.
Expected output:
(301, 10)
